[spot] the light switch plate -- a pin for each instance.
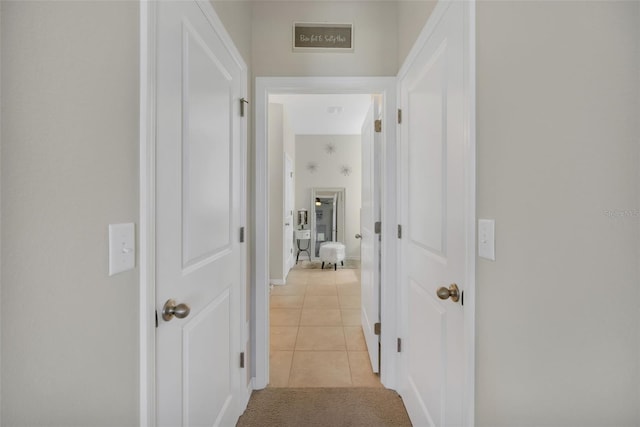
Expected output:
(487, 239)
(122, 248)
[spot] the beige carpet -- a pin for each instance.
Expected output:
(326, 407)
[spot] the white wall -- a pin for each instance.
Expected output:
(69, 168)
(280, 140)
(558, 146)
(311, 148)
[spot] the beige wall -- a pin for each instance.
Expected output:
(384, 33)
(69, 168)
(558, 147)
(375, 35)
(236, 18)
(412, 16)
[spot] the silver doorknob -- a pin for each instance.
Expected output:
(358, 236)
(453, 292)
(170, 310)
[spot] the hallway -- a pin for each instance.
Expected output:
(316, 337)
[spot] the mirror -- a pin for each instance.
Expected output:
(303, 218)
(327, 217)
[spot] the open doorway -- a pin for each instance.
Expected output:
(316, 335)
(342, 283)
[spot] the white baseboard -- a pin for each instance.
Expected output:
(278, 282)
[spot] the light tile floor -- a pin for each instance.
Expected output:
(316, 337)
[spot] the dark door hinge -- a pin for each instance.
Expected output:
(242, 102)
(241, 234)
(242, 359)
(377, 126)
(377, 227)
(399, 231)
(399, 116)
(399, 345)
(156, 318)
(376, 328)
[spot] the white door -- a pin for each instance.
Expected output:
(198, 207)
(435, 205)
(370, 242)
(334, 219)
(287, 239)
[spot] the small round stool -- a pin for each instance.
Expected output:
(332, 253)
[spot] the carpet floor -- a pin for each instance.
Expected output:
(324, 407)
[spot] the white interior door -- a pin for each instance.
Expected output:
(370, 243)
(334, 219)
(287, 239)
(198, 212)
(435, 205)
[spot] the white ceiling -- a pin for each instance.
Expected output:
(311, 114)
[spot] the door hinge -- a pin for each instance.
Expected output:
(399, 345)
(399, 116)
(242, 359)
(377, 125)
(377, 227)
(242, 102)
(241, 234)
(156, 318)
(399, 231)
(376, 328)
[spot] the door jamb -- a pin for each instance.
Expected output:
(260, 283)
(146, 229)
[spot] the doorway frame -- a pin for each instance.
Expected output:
(341, 192)
(387, 87)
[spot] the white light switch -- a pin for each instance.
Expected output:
(122, 248)
(487, 239)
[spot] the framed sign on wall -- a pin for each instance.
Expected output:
(322, 37)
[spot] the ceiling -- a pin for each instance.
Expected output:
(325, 114)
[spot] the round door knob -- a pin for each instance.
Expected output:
(170, 310)
(453, 292)
(358, 236)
